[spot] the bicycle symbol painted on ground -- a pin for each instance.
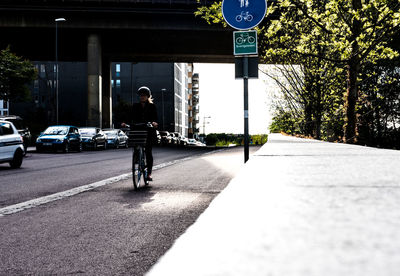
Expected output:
(243, 38)
(246, 16)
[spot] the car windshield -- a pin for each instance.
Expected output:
(56, 130)
(192, 140)
(111, 132)
(87, 131)
(163, 134)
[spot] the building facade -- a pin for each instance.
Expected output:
(3, 108)
(194, 106)
(169, 83)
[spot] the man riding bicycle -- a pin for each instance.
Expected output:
(142, 113)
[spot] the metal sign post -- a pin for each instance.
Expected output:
(244, 15)
(246, 107)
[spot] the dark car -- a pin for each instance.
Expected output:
(23, 130)
(65, 138)
(93, 138)
(166, 138)
(116, 138)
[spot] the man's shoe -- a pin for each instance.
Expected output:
(149, 178)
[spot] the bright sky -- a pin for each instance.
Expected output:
(221, 98)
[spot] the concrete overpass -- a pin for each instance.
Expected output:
(102, 31)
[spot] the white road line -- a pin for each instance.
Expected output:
(12, 209)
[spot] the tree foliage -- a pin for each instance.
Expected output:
(346, 33)
(15, 74)
(333, 42)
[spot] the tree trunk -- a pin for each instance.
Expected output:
(308, 119)
(353, 68)
(318, 122)
(350, 126)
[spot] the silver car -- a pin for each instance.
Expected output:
(116, 138)
(11, 145)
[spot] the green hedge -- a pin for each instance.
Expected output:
(224, 139)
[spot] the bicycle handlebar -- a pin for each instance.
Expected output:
(148, 124)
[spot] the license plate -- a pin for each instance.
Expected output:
(47, 144)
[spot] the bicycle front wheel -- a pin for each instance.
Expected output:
(138, 173)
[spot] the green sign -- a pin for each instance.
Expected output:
(245, 43)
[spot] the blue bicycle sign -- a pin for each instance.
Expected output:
(244, 14)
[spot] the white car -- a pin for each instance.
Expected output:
(192, 142)
(11, 145)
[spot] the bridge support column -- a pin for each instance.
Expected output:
(94, 81)
(107, 93)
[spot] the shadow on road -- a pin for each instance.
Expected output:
(133, 199)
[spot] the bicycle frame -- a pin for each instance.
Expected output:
(139, 170)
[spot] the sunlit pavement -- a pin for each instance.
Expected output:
(109, 230)
(299, 207)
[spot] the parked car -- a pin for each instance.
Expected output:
(11, 145)
(183, 141)
(23, 130)
(93, 138)
(192, 142)
(65, 138)
(158, 137)
(200, 144)
(116, 138)
(175, 138)
(166, 138)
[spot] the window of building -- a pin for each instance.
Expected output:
(42, 68)
(118, 83)
(118, 69)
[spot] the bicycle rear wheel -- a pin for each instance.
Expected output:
(138, 169)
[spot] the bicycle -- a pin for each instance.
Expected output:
(246, 16)
(245, 38)
(138, 139)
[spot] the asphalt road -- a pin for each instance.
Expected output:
(47, 173)
(110, 230)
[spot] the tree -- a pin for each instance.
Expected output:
(346, 33)
(379, 124)
(15, 74)
(352, 33)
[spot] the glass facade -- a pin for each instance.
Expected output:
(168, 83)
(3, 108)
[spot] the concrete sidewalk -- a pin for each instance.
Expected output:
(299, 207)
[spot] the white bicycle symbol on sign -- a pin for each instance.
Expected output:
(246, 16)
(245, 38)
